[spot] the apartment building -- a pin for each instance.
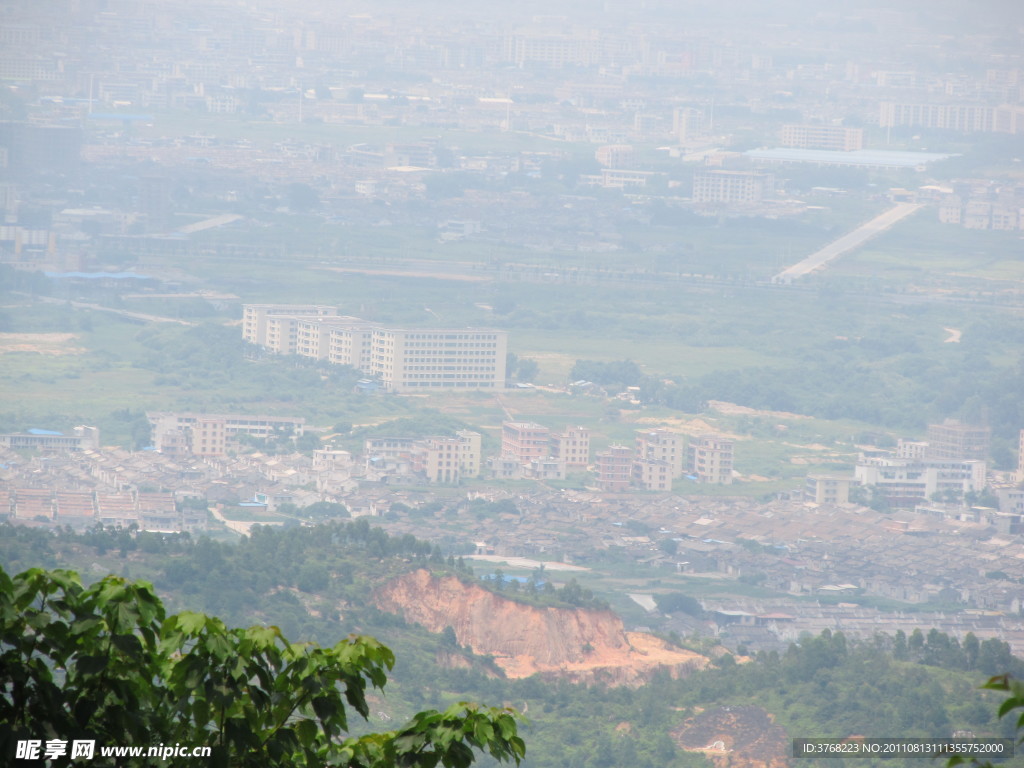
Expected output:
(83, 437)
(375, 448)
(615, 155)
(351, 344)
(149, 511)
(275, 326)
(732, 186)
(443, 459)
(618, 178)
(709, 459)
(911, 449)
(953, 441)
(1005, 216)
(550, 50)
(652, 474)
(504, 468)
(439, 459)
(417, 360)
(331, 460)
(199, 434)
(832, 137)
(405, 360)
(1020, 458)
(827, 489)
(470, 452)
(546, 469)
(907, 481)
(688, 123)
(661, 445)
(313, 335)
(571, 446)
(524, 441)
(614, 469)
(966, 118)
(657, 459)
(951, 210)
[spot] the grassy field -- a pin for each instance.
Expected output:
(655, 356)
(253, 515)
(922, 250)
(686, 328)
(113, 369)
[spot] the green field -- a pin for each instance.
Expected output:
(863, 346)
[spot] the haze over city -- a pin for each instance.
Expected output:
(674, 334)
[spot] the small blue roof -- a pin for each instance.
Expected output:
(509, 579)
(43, 432)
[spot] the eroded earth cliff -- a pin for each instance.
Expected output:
(572, 643)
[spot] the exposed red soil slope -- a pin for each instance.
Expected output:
(580, 645)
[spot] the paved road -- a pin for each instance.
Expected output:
(216, 221)
(847, 242)
(113, 311)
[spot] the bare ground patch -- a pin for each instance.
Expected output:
(687, 426)
(734, 409)
(40, 343)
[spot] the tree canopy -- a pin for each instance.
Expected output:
(106, 663)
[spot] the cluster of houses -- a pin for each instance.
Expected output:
(656, 459)
(982, 204)
(49, 477)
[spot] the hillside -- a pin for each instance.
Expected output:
(580, 645)
(320, 583)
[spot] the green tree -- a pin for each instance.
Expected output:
(106, 663)
(1014, 689)
(669, 546)
(527, 369)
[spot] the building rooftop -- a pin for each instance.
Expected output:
(867, 158)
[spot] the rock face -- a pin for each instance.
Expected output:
(580, 645)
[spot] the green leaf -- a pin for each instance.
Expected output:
(306, 731)
(1009, 704)
(109, 662)
(190, 623)
(127, 644)
(91, 665)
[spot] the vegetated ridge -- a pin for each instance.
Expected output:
(581, 645)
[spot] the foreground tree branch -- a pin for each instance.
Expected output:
(105, 663)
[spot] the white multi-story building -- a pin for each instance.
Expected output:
(405, 360)
(207, 434)
(661, 445)
(275, 326)
(571, 446)
(832, 137)
(904, 481)
(444, 459)
(732, 186)
(418, 360)
(827, 489)
(709, 459)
